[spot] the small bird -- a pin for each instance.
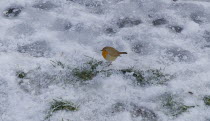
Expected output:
(110, 53)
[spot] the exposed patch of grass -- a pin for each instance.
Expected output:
(62, 105)
(58, 105)
(93, 67)
(21, 74)
(81, 73)
(148, 77)
(206, 100)
(88, 71)
(139, 75)
(158, 76)
(173, 106)
(84, 74)
(94, 64)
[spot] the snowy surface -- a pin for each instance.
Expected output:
(69, 31)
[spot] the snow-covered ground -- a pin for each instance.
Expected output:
(41, 36)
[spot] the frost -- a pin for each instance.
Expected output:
(36, 49)
(207, 36)
(134, 110)
(50, 49)
(22, 29)
(4, 97)
(177, 29)
(62, 25)
(45, 5)
(178, 54)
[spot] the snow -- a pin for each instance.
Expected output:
(74, 31)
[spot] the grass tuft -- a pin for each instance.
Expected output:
(206, 100)
(59, 105)
(21, 74)
(84, 74)
(88, 71)
(62, 105)
(173, 106)
(94, 64)
(148, 77)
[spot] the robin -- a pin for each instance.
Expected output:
(110, 53)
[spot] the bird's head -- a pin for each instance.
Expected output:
(105, 48)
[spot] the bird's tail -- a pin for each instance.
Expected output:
(123, 53)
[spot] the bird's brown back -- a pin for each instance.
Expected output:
(111, 51)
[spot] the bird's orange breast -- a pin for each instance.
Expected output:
(104, 53)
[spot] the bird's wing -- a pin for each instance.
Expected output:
(113, 52)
